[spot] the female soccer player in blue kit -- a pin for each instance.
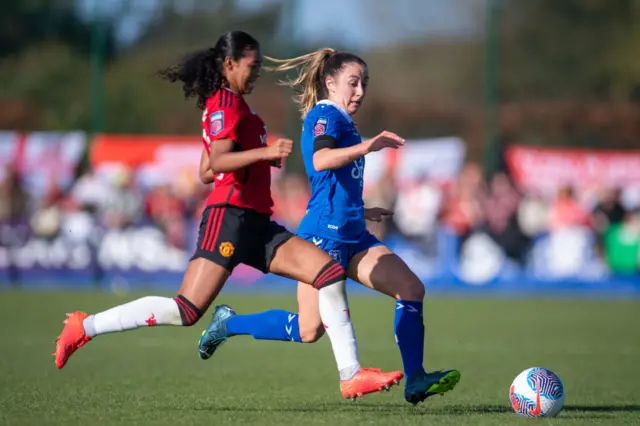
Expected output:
(331, 88)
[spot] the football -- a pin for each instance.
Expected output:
(537, 392)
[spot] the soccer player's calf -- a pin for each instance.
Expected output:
(147, 311)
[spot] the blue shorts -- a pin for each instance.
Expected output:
(343, 252)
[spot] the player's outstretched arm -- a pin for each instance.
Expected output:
(223, 159)
(330, 158)
(334, 158)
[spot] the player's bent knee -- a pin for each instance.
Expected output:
(330, 273)
(413, 292)
(189, 313)
(311, 334)
(418, 292)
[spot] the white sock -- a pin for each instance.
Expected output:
(148, 311)
(334, 311)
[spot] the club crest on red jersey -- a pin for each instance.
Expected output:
(216, 122)
(320, 126)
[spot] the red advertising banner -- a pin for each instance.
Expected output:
(546, 169)
(144, 150)
(153, 157)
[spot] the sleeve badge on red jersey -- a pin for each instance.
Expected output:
(216, 122)
(320, 126)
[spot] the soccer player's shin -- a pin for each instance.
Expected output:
(269, 325)
(409, 331)
(334, 311)
(147, 311)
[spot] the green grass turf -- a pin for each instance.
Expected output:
(154, 376)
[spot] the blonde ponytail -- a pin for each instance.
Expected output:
(308, 85)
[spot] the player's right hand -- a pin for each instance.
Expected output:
(385, 140)
(281, 148)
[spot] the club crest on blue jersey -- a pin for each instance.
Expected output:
(320, 126)
(336, 255)
(216, 122)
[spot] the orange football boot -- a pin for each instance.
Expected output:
(369, 380)
(71, 338)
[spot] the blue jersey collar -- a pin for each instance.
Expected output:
(338, 107)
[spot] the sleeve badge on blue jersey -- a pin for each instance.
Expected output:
(216, 122)
(320, 127)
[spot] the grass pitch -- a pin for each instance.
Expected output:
(154, 376)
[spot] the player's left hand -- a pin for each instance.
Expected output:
(376, 214)
(384, 140)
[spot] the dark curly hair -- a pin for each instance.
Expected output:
(201, 71)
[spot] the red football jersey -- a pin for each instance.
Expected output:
(227, 116)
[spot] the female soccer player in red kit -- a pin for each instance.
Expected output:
(236, 226)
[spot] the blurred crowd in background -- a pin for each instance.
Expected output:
(467, 207)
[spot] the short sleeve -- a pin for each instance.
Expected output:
(218, 124)
(326, 125)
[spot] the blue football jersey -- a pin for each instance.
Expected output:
(336, 208)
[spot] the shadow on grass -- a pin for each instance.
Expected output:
(394, 409)
(391, 409)
(604, 408)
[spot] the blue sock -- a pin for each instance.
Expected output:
(269, 325)
(409, 329)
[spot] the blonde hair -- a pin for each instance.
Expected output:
(309, 84)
